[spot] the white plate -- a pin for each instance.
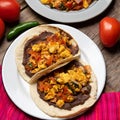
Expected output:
(18, 89)
(96, 8)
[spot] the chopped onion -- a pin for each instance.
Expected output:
(78, 1)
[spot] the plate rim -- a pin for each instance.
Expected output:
(72, 16)
(16, 41)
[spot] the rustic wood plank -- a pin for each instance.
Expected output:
(22, 4)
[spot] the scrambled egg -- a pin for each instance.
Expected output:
(85, 4)
(60, 103)
(63, 78)
(38, 47)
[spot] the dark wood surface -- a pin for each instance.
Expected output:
(91, 29)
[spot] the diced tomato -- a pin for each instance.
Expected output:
(55, 37)
(34, 55)
(63, 42)
(41, 86)
(47, 86)
(52, 38)
(44, 86)
(59, 94)
(87, 68)
(49, 61)
(69, 4)
(65, 90)
(64, 97)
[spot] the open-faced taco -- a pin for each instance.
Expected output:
(66, 92)
(43, 49)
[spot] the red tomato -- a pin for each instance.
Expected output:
(69, 5)
(9, 10)
(109, 31)
(2, 28)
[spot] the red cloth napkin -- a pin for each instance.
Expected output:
(106, 108)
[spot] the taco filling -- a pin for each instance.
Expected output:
(46, 49)
(66, 87)
(67, 4)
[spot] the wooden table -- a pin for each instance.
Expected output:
(90, 28)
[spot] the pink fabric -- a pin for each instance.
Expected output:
(106, 108)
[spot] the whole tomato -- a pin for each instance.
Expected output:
(9, 10)
(109, 31)
(2, 28)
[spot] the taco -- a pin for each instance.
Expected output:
(43, 49)
(66, 92)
